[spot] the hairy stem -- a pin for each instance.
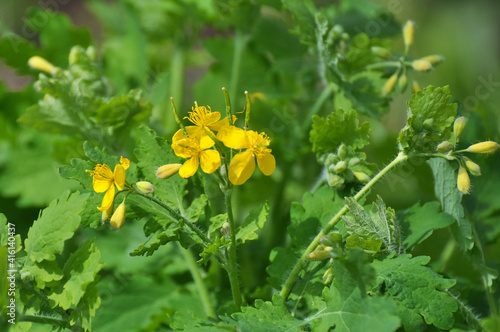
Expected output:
(198, 280)
(232, 267)
(287, 287)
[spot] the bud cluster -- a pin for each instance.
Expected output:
(345, 166)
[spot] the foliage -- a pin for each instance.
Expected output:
(261, 207)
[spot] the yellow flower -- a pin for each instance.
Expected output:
(105, 181)
(196, 151)
(243, 164)
(204, 118)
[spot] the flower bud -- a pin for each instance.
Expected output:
(444, 146)
(331, 159)
(421, 65)
(340, 166)
(389, 85)
(381, 52)
(145, 187)
(335, 180)
(362, 177)
(403, 82)
(320, 253)
(107, 213)
(484, 147)
(354, 162)
(433, 59)
(118, 218)
(328, 276)
(408, 33)
(415, 87)
(166, 171)
(226, 230)
(459, 126)
(428, 124)
(463, 181)
(41, 64)
(332, 239)
(342, 152)
(91, 53)
(472, 167)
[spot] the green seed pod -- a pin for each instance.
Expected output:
(444, 146)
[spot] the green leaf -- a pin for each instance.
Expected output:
(354, 312)
(153, 152)
(213, 248)
(428, 121)
(216, 223)
(339, 127)
(196, 209)
(380, 224)
(171, 234)
(265, 317)
(80, 270)
(58, 223)
(417, 291)
(253, 222)
(282, 261)
(419, 221)
(446, 191)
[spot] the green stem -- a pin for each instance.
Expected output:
(176, 79)
(179, 217)
(325, 94)
(198, 280)
(232, 267)
(287, 287)
(240, 42)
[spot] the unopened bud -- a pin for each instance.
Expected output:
(91, 52)
(415, 87)
(107, 213)
(381, 52)
(331, 159)
(403, 82)
(226, 230)
(118, 218)
(444, 147)
(389, 85)
(340, 166)
(332, 239)
(41, 64)
(428, 124)
(354, 162)
(421, 65)
(484, 147)
(335, 181)
(433, 59)
(408, 33)
(145, 187)
(342, 152)
(472, 167)
(320, 253)
(328, 276)
(362, 177)
(463, 181)
(459, 126)
(166, 171)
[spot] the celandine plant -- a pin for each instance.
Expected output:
(167, 224)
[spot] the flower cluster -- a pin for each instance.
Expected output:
(200, 145)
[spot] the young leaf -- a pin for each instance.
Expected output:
(80, 270)
(380, 224)
(339, 127)
(419, 221)
(417, 291)
(450, 198)
(253, 222)
(197, 208)
(429, 120)
(171, 234)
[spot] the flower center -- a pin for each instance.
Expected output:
(199, 116)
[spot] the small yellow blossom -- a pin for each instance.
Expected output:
(198, 152)
(166, 171)
(242, 165)
(204, 119)
(118, 218)
(104, 180)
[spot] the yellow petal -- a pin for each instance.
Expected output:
(180, 135)
(186, 147)
(189, 168)
(206, 142)
(266, 163)
(233, 137)
(212, 118)
(125, 162)
(222, 123)
(101, 185)
(108, 199)
(210, 161)
(119, 175)
(241, 167)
